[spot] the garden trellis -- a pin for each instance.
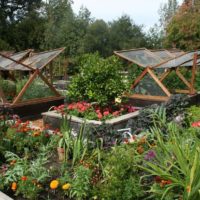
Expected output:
(157, 65)
(31, 64)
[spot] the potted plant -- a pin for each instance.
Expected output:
(64, 143)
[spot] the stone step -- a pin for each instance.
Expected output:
(4, 196)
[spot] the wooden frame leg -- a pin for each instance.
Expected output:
(31, 78)
(49, 84)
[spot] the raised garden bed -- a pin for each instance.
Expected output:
(53, 119)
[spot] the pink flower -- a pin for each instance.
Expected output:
(99, 115)
(105, 113)
(98, 111)
(131, 109)
(70, 107)
(196, 124)
(116, 113)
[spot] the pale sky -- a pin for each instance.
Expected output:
(141, 11)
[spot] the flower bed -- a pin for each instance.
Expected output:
(117, 116)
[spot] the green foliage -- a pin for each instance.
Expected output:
(176, 163)
(99, 80)
(9, 88)
(121, 179)
(75, 147)
(37, 89)
(125, 34)
(183, 31)
(194, 113)
(81, 183)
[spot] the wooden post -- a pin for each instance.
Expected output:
(137, 80)
(183, 79)
(165, 74)
(49, 84)
(65, 68)
(194, 67)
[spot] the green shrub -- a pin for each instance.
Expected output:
(99, 80)
(9, 88)
(122, 177)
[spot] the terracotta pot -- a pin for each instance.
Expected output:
(61, 153)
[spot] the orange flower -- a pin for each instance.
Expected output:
(13, 162)
(14, 186)
(24, 178)
(66, 186)
(140, 149)
(36, 133)
(142, 140)
(54, 184)
(188, 189)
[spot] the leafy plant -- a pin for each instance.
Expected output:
(176, 163)
(121, 176)
(99, 80)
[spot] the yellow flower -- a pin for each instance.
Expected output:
(66, 186)
(54, 184)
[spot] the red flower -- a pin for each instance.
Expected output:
(70, 107)
(24, 178)
(158, 179)
(116, 113)
(99, 115)
(196, 124)
(105, 113)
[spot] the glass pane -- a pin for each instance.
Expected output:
(37, 89)
(142, 57)
(179, 61)
(7, 64)
(163, 54)
(41, 59)
(147, 86)
(173, 82)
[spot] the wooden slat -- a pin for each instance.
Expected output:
(137, 80)
(183, 78)
(31, 78)
(35, 101)
(148, 97)
(164, 75)
(49, 84)
(182, 91)
(165, 90)
(194, 67)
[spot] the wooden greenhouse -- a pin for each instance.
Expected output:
(157, 65)
(24, 87)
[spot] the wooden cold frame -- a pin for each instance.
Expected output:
(149, 71)
(32, 75)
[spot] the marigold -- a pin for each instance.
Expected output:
(140, 149)
(66, 186)
(14, 186)
(54, 184)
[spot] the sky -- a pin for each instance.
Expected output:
(142, 12)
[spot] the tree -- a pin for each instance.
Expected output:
(13, 15)
(167, 11)
(154, 38)
(184, 29)
(125, 34)
(97, 38)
